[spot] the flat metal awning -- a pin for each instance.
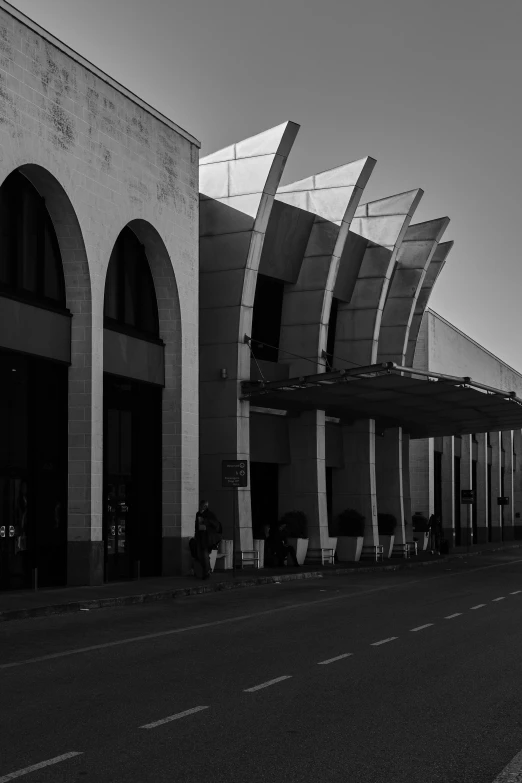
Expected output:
(425, 404)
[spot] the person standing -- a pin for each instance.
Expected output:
(435, 527)
(207, 535)
(279, 547)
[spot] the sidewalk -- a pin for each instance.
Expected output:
(23, 604)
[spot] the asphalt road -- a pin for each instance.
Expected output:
(428, 688)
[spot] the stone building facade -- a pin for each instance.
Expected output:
(102, 162)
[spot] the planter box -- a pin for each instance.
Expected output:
(387, 542)
(301, 548)
(259, 546)
(349, 548)
(224, 548)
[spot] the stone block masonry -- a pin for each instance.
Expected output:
(103, 159)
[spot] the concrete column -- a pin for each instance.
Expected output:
(481, 502)
(354, 485)
(237, 189)
(508, 533)
(421, 476)
(448, 486)
(517, 483)
(466, 482)
(496, 511)
(389, 470)
(302, 483)
(406, 488)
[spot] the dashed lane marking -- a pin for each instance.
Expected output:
(421, 627)
(451, 616)
(478, 606)
(41, 765)
(253, 615)
(266, 684)
(501, 598)
(516, 592)
(332, 660)
(383, 641)
(177, 716)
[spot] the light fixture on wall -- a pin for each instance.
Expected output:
(224, 373)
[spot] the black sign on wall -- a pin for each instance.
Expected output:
(234, 473)
(467, 495)
(503, 500)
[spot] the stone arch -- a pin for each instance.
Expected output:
(170, 332)
(84, 416)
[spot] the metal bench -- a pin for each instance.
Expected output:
(413, 547)
(326, 555)
(401, 550)
(249, 557)
(373, 552)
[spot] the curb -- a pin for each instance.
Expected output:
(183, 592)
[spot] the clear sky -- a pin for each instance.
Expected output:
(430, 88)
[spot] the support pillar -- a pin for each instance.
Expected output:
(508, 532)
(389, 469)
(406, 488)
(496, 467)
(466, 482)
(302, 483)
(481, 493)
(517, 483)
(354, 485)
(448, 488)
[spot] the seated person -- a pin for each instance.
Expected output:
(277, 546)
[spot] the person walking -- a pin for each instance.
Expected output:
(207, 535)
(278, 545)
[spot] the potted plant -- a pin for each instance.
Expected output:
(421, 530)
(387, 524)
(297, 532)
(350, 535)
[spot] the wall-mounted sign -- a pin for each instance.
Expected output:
(467, 495)
(234, 473)
(503, 500)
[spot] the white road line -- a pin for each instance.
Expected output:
(173, 717)
(383, 641)
(499, 599)
(478, 606)
(266, 684)
(516, 592)
(41, 765)
(451, 616)
(253, 615)
(420, 627)
(332, 660)
(513, 772)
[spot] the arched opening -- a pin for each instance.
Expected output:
(35, 340)
(133, 385)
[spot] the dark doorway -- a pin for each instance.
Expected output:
(33, 471)
(264, 494)
(132, 478)
(456, 500)
(266, 318)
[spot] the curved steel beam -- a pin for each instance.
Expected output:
(333, 196)
(413, 258)
(381, 225)
(434, 269)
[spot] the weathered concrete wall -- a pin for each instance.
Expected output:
(102, 159)
(454, 353)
